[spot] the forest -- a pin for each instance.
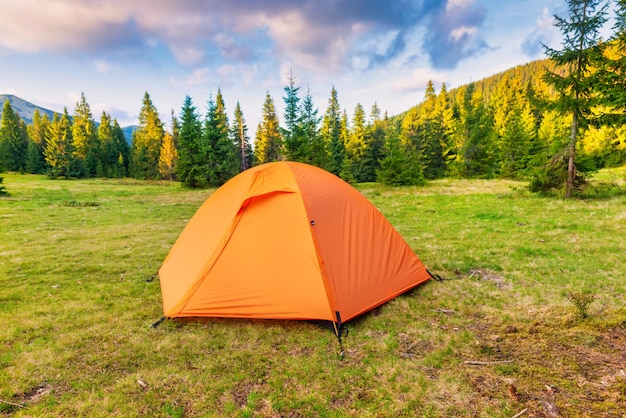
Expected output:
(527, 123)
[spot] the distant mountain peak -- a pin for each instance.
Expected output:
(25, 109)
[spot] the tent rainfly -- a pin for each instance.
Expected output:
(287, 240)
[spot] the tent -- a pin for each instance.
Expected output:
(286, 240)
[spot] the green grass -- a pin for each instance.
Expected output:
(76, 310)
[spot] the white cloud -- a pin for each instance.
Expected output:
(417, 81)
(102, 66)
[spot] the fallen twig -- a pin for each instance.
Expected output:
(433, 324)
(520, 413)
(446, 311)
(13, 404)
(486, 363)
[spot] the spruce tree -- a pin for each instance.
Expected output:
(188, 166)
(168, 157)
(331, 133)
(476, 128)
(37, 134)
(239, 133)
(268, 145)
(611, 71)
(576, 87)
(316, 152)
(147, 140)
(355, 147)
(293, 133)
(34, 159)
(223, 155)
(399, 167)
(60, 153)
(375, 141)
(123, 151)
(13, 140)
(85, 137)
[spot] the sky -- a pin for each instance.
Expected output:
(371, 51)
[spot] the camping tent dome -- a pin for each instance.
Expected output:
(286, 240)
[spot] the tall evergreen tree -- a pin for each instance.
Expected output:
(268, 144)
(85, 137)
(375, 141)
(611, 70)
(60, 152)
(13, 140)
(223, 162)
(317, 154)
(168, 157)
(123, 150)
(147, 140)
(37, 134)
(239, 132)
(355, 147)
(295, 143)
(476, 154)
(580, 44)
(188, 167)
(331, 133)
(399, 167)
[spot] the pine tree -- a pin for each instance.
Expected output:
(223, 156)
(85, 137)
(37, 134)
(147, 141)
(375, 141)
(575, 88)
(60, 153)
(399, 167)
(123, 151)
(294, 139)
(355, 147)
(268, 144)
(188, 166)
(13, 140)
(331, 134)
(168, 157)
(476, 130)
(611, 71)
(239, 132)
(34, 159)
(316, 152)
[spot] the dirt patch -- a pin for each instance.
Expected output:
(22, 401)
(240, 393)
(496, 279)
(552, 371)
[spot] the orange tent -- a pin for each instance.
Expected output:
(286, 240)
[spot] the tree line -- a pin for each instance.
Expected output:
(526, 123)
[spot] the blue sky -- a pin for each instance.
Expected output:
(370, 50)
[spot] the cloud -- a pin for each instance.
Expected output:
(324, 35)
(454, 33)
(417, 81)
(102, 66)
(543, 34)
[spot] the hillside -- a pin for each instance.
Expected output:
(23, 108)
(26, 110)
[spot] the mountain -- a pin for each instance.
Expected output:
(23, 108)
(27, 109)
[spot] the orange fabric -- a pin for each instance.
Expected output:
(286, 241)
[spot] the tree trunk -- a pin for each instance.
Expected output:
(571, 168)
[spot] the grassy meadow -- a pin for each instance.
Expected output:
(504, 334)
